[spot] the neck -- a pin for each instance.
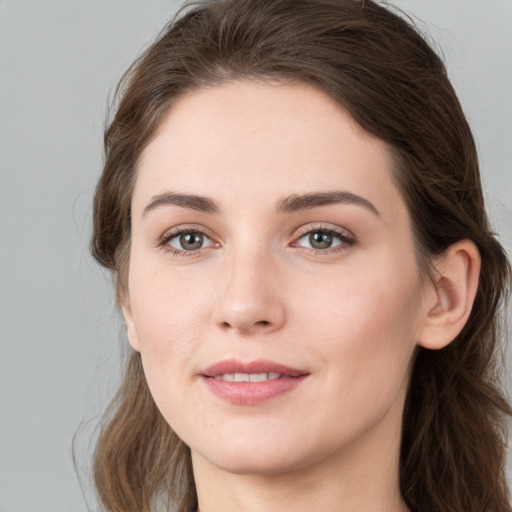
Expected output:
(297, 492)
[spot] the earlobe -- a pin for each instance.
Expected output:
(126, 309)
(451, 295)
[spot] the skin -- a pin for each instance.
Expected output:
(351, 316)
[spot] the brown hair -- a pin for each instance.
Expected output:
(380, 70)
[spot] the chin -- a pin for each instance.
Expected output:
(261, 464)
(265, 457)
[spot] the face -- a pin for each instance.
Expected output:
(273, 290)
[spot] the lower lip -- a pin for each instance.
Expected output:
(251, 393)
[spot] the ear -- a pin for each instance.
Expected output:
(131, 331)
(450, 296)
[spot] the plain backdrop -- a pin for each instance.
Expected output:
(59, 357)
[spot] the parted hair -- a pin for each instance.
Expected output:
(377, 65)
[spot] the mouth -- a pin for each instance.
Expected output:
(250, 383)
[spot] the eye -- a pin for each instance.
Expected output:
(189, 241)
(324, 239)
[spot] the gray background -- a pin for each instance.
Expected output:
(59, 59)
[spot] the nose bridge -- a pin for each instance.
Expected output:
(249, 298)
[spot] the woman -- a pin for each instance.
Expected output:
(292, 209)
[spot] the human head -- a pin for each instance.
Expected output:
(386, 77)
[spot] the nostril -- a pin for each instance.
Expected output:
(259, 323)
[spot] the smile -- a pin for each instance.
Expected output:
(250, 383)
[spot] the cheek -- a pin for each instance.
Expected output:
(364, 324)
(168, 313)
(169, 319)
(362, 336)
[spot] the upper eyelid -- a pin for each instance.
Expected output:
(185, 228)
(308, 228)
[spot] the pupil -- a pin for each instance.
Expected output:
(320, 240)
(191, 241)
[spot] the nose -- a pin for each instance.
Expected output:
(250, 296)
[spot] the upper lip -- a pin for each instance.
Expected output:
(228, 366)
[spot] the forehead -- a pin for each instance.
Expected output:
(262, 140)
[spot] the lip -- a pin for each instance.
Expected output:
(251, 393)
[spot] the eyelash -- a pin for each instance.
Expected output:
(346, 239)
(167, 237)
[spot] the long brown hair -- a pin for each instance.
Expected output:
(379, 69)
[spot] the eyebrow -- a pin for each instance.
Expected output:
(290, 204)
(309, 201)
(199, 203)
